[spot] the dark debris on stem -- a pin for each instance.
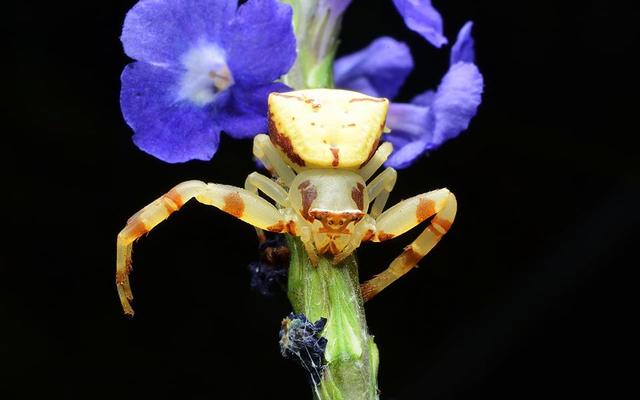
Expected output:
(300, 341)
(269, 274)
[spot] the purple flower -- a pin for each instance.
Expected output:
(377, 70)
(463, 49)
(421, 17)
(203, 66)
(432, 117)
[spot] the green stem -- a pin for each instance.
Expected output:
(328, 290)
(316, 32)
(333, 292)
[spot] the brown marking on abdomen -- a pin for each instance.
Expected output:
(373, 99)
(314, 106)
(385, 236)
(288, 96)
(336, 156)
(233, 204)
(374, 147)
(357, 194)
(283, 142)
(426, 208)
(309, 194)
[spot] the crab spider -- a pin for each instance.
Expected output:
(322, 149)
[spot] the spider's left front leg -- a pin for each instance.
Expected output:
(441, 204)
(240, 203)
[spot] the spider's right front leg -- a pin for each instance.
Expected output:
(440, 204)
(266, 152)
(238, 202)
(255, 182)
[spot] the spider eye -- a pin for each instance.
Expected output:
(330, 222)
(341, 222)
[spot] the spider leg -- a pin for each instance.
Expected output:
(379, 157)
(379, 189)
(238, 202)
(441, 204)
(271, 189)
(264, 151)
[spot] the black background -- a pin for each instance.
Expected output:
(525, 298)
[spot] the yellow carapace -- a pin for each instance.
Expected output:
(322, 151)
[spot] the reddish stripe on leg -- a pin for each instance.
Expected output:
(233, 204)
(137, 229)
(426, 208)
(175, 197)
(442, 223)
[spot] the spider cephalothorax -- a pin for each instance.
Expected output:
(322, 149)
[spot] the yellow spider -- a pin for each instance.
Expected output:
(322, 148)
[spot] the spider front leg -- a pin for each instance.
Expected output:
(255, 182)
(238, 202)
(379, 189)
(264, 151)
(402, 217)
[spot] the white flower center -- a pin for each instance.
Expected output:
(206, 74)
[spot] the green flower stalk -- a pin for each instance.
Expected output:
(333, 292)
(328, 290)
(317, 26)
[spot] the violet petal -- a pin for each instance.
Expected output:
(456, 101)
(379, 69)
(161, 31)
(463, 49)
(243, 111)
(166, 127)
(260, 43)
(421, 17)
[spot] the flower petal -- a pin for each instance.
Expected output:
(411, 128)
(260, 42)
(407, 154)
(166, 127)
(378, 70)
(463, 49)
(421, 17)
(456, 101)
(243, 112)
(161, 31)
(424, 99)
(408, 120)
